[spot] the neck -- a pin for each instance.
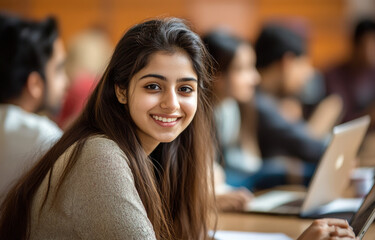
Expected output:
(148, 145)
(149, 149)
(23, 103)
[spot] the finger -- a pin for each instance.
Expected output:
(236, 205)
(246, 191)
(245, 194)
(337, 222)
(340, 238)
(342, 232)
(241, 197)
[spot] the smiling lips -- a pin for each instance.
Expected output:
(165, 121)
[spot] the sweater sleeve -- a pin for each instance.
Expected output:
(106, 204)
(279, 137)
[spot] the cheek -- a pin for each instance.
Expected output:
(142, 103)
(370, 53)
(189, 107)
(234, 83)
(62, 80)
(239, 86)
(298, 77)
(57, 84)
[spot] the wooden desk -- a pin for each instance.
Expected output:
(291, 226)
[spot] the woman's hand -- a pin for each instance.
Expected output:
(328, 228)
(234, 201)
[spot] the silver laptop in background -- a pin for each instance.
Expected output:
(330, 179)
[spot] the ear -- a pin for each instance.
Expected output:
(35, 85)
(121, 94)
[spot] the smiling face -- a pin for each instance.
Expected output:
(162, 98)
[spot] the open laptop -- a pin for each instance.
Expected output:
(365, 215)
(330, 178)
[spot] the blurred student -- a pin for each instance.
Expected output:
(32, 78)
(354, 79)
(284, 67)
(98, 182)
(249, 123)
(88, 54)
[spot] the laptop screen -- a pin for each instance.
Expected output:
(363, 218)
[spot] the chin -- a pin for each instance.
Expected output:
(167, 140)
(245, 100)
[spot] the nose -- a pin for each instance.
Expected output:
(170, 101)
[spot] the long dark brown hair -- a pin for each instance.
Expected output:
(177, 193)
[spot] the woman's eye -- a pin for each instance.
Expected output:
(186, 89)
(152, 87)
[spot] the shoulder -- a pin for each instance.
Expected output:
(266, 106)
(100, 143)
(101, 147)
(106, 203)
(36, 134)
(228, 121)
(102, 169)
(41, 128)
(102, 159)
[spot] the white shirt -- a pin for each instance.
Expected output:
(24, 138)
(228, 124)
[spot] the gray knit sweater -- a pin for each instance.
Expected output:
(97, 200)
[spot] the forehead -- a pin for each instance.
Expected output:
(175, 64)
(244, 51)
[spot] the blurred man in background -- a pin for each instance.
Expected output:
(285, 68)
(354, 79)
(32, 79)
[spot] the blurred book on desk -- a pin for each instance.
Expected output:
(230, 235)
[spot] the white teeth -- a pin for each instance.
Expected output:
(164, 119)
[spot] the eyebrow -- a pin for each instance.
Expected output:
(184, 79)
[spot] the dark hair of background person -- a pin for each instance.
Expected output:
(177, 201)
(363, 27)
(274, 42)
(222, 48)
(25, 47)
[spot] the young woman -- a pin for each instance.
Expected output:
(98, 182)
(252, 134)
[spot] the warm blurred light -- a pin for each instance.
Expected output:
(327, 23)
